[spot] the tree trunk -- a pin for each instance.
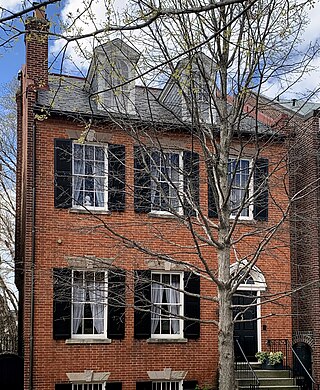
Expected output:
(225, 340)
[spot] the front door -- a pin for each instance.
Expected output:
(245, 329)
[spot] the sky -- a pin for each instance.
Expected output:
(12, 59)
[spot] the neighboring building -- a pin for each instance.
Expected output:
(305, 233)
(71, 198)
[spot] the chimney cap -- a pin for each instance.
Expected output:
(40, 12)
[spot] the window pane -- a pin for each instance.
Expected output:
(156, 277)
(89, 176)
(175, 280)
(239, 172)
(78, 152)
(166, 279)
(166, 178)
(88, 317)
(99, 153)
(89, 152)
(167, 304)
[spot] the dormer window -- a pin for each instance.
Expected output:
(203, 93)
(117, 85)
(189, 92)
(196, 99)
(111, 77)
(199, 88)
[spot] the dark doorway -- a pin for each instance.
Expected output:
(11, 372)
(245, 331)
(304, 353)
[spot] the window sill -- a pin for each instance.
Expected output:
(246, 221)
(88, 341)
(152, 340)
(155, 214)
(89, 211)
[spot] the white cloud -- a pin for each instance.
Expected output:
(312, 31)
(11, 4)
(82, 21)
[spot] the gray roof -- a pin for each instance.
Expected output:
(301, 107)
(65, 94)
(69, 95)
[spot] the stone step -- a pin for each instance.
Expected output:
(277, 387)
(268, 382)
(269, 379)
(265, 373)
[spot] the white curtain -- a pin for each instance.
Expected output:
(78, 181)
(78, 306)
(97, 299)
(99, 185)
(173, 296)
(156, 296)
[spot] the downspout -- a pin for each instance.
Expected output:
(33, 248)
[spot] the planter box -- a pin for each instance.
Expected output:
(267, 366)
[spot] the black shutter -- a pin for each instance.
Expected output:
(62, 173)
(116, 177)
(116, 304)
(144, 386)
(61, 303)
(260, 208)
(212, 208)
(142, 181)
(191, 180)
(191, 305)
(189, 385)
(63, 386)
(142, 303)
(114, 386)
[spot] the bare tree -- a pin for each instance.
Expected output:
(8, 295)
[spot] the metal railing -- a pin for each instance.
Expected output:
(8, 344)
(244, 367)
(293, 363)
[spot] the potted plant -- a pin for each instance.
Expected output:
(270, 360)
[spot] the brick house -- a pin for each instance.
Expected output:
(303, 117)
(89, 216)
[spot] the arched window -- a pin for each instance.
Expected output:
(254, 280)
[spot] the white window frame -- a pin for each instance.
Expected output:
(155, 184)
(118, 93)
(250, 191)
(162, 385)
(102, 335)
(75, 204)
(88, 385)
(181, 311)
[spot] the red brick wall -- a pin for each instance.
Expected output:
(81, 234)
(305, 239)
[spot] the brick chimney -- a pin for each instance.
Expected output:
(36, 40)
